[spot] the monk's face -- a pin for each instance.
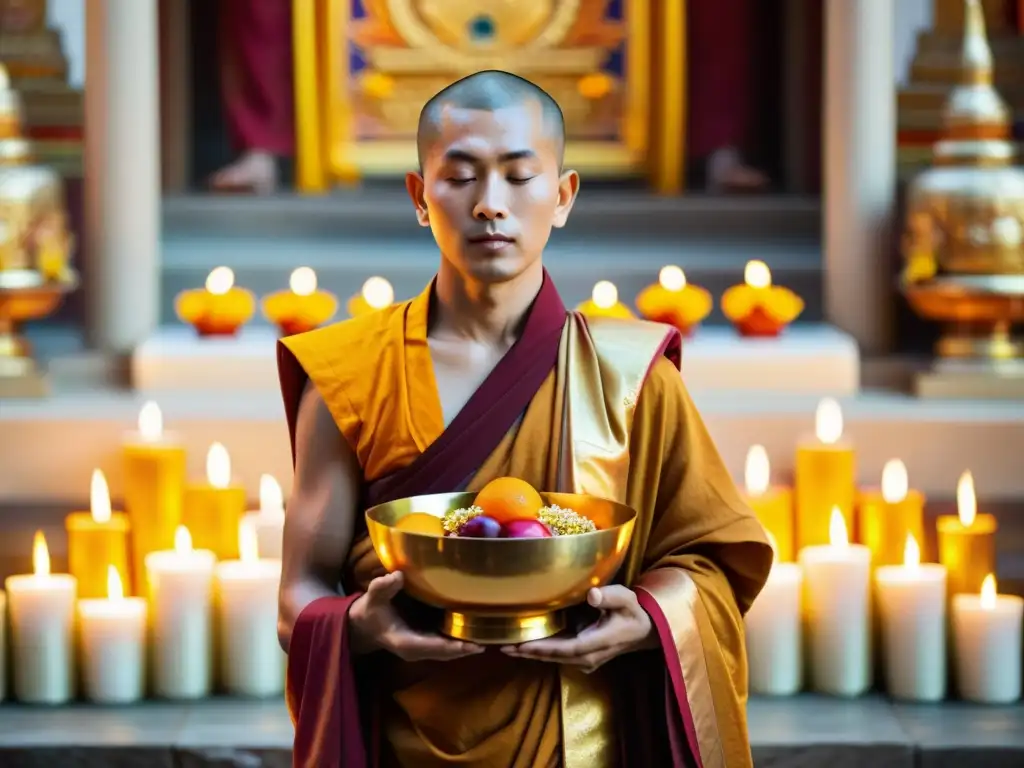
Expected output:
(491, 190)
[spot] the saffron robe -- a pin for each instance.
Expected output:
(603, 411)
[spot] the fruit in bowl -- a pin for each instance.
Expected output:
(518, 511)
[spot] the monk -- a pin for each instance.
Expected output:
(486, 374)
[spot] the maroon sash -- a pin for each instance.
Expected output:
(451, 460)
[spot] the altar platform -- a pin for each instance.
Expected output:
(803, 732)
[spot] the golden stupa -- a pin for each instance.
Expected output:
(35, 247)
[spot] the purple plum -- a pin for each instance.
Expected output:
(526, 528)
(481, 527)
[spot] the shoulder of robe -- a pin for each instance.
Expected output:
(629, 340)
(346, 350)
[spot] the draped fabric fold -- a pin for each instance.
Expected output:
(610, 417)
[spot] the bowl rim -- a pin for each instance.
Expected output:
(575, 536)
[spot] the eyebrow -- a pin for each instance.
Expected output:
(459, 155)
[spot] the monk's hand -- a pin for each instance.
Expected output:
(623, 627)
(377, 626)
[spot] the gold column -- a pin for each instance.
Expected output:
(310, 176)
(668, 97)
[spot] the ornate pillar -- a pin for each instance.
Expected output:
(122, 172)
(859, 169)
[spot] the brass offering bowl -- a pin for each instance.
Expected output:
(497, 591)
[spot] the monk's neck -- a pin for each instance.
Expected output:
(488, 313)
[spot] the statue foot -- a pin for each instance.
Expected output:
(728, 174)
(254, 173)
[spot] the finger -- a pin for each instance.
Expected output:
(612, 598)
(596, 638)
(384, 588)
(433, 647)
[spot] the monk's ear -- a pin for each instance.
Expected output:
(568, 188)
(414, 186)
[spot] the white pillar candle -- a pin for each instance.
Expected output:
(113, 638)
(912, 608)
(3, 645)
(181, 597)
(268, 521)
(42, 615)
(837, 609)
(251, 660)
(774, 644)
(987, 631)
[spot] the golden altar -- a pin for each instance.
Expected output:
(364, 68)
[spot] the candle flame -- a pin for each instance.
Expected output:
(271, 496)
(672, 278)
(757, 473)
(303, 281)
(220, 281)
(40, 555)
(378, 293)
(115, 588)
(988, 592)
(838, 536)
(605, 295)
(99, 497)
(895, 483)
(248, 542)
(757, 275)
(218, 466)
(151, 422)
(182, 540)
(966, 500)
(911, 552)
(828, 421)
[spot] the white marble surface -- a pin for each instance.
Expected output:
(811, 359)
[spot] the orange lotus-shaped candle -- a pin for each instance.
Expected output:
(301, 308)
(604, 302)
(377, 293)
(219, 309)
(673, 301)
(757, 308)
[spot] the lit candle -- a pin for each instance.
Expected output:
(757, 308)
(302, 307)
(113, 637)
(97, 541)
(154, 482)
(887, 517)
(967, 541)
(213, 510)
(251, 660)
(268, 521)
(180, 599)
(837, 608)
(42, 616)
(604, 302)
(674, 301)
(987, 644)
(825, 477)
(377, 293)
(912, 610)
(774, 652)
(773, 505)
(220, 308)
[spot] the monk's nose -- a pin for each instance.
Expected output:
(493, 201)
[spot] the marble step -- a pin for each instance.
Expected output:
(802, 732)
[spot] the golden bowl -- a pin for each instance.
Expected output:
(496, 591)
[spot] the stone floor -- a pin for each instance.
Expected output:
(803, 732)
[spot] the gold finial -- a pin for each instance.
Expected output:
(975, 54)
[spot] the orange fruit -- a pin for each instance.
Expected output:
(420, 522)
(509, 498)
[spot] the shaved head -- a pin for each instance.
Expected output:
(488, 91)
